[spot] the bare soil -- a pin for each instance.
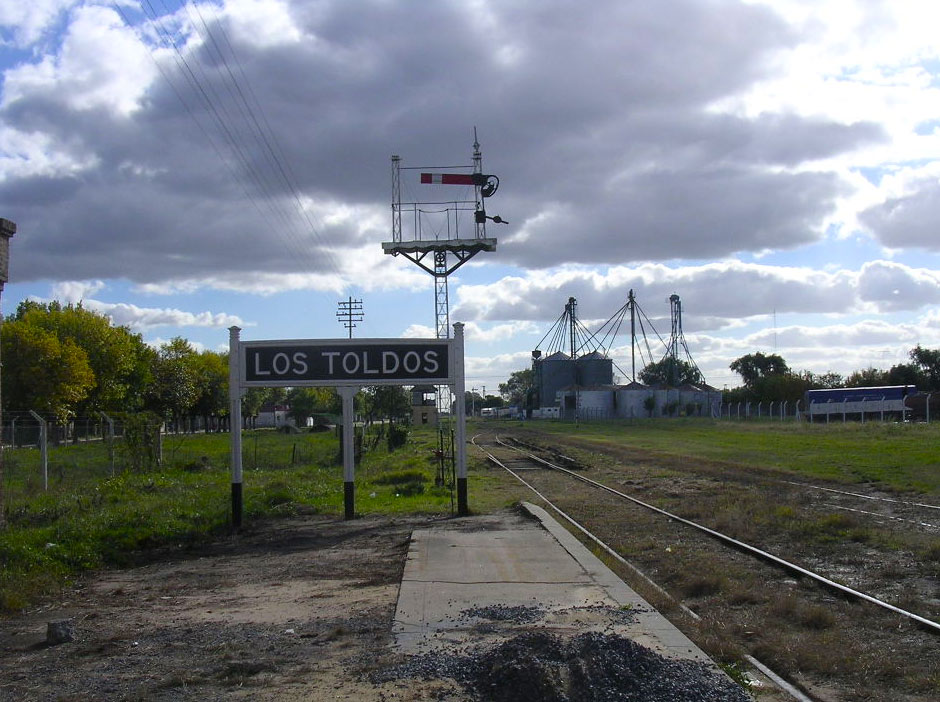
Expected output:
(296, 609)
(302, 610)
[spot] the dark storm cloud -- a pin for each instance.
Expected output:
(596, 120)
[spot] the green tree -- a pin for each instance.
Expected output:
(118, 358)
(670, 371)
(906, 374)
(866, 378)
(211, 370)
(306, 402)
(928, 360)
(173, 391)
(518, 388)
(42, 372)
(753, 367)
(387, 401)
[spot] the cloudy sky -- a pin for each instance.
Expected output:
(187, 166)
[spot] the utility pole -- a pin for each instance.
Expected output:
(7, 230)
(349, 313)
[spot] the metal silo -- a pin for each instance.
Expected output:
(595, 369)
(555, 372)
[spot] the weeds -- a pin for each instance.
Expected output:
(92, 520)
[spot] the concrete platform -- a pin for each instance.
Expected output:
(488, 578)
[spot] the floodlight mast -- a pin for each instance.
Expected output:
(441, 247)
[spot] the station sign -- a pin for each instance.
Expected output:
(341, 363)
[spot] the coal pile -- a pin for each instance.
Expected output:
(593, 667)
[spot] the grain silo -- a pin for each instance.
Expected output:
(553, 373)
(594, 369)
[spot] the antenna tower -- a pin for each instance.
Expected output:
(431, 235)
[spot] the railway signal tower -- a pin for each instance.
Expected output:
(440, 233)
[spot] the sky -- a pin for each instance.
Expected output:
(186, 166)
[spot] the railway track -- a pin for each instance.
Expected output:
(730, 541)
(533, 470)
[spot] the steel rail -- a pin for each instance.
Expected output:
(776, 679)
(883, 516)
(933, 626)
(864, 497)
(577, 525)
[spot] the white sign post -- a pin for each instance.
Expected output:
(347, 365)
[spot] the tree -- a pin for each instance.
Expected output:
(306, 402)
(173, 391)
(753, 367)
(670, 371)
(389, 401)
(519, 387)
(42, 372)
(866, 378)
(119, 359)
(211, 370)
(472, 401)
(928, 360)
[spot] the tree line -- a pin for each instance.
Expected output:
(765, 377)
(66, 361)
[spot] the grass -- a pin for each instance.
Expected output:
(896, 456)
(89, 519)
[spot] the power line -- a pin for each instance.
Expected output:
(239, 121)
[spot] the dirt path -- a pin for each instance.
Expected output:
(297, 609)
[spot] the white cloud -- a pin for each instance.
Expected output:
(101, 63)
(75, 291)
(146, 318)
(30, 20)
(720, 292)
(263, 23)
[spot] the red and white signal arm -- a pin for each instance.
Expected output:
(448, 179)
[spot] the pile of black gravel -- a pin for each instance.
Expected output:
(517, 614)
(540, 667)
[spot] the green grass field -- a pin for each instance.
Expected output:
(896, 456)
(89, 518)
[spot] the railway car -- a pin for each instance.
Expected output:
(858, 401)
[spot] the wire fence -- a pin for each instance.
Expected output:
(46, 457)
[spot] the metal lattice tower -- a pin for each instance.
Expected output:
(677, 342)
(444, 243)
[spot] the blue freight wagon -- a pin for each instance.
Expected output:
(860, 401)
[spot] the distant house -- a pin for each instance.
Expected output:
(274, 416)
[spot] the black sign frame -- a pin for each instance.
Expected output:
(344, 362)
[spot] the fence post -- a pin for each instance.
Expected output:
(43, 449)
(110, 440)
(158, 444)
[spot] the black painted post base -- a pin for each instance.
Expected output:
(462, 509)
(349, 499)
(237, 505)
